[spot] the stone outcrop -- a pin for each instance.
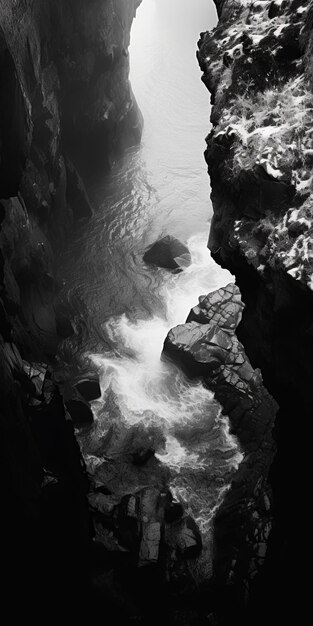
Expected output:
(207, 347)
(257, 66)
(169, 253)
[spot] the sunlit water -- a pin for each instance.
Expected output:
(124, 308)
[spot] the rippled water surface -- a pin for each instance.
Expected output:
(124, 308)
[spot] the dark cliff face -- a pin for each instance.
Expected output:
(65, 102)
(257, 66)
(66, 110)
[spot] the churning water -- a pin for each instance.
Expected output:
(124, 308)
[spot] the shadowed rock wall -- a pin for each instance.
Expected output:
(66, 111)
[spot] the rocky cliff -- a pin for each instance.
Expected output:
(257, 64)
(66, 110)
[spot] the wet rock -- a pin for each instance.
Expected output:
(173, 512)
(169, 253)
(189, 541)
(79, 409)
(223, 307)
(102, 503)
(210, 348)
(184, 537)
(128, 524)
(200, 348)
(89, 388)
(150, 544)
(134, 445)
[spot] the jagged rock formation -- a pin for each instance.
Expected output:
(207, 347)
(257, 65)
(66, 108)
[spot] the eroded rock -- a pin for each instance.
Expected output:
(169, 253)
(89, 388)
(208, 347)
(79, 409)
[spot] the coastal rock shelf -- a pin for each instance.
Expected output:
(207, 347)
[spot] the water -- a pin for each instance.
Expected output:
(124, 308)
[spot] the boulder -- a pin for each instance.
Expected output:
(200, 349)
(78, 408)
(169, 253)
(173, 511)
(89, 387)
(150, 543)
(184, 536)
(223, 307)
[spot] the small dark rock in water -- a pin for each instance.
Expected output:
(79, 410)
(169, 253)
(173, 512)
(89, 388)
(184, 536)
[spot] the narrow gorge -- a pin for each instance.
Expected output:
(154, 388)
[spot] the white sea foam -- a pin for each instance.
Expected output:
(155, 392)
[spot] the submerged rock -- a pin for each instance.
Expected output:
(184, 536)
(169, 253)
(78, 409)
(141, 524)
(89, 388)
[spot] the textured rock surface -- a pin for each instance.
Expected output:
(169, 253)
(208, 347)
(258, 66)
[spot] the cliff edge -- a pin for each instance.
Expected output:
(257, 65)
